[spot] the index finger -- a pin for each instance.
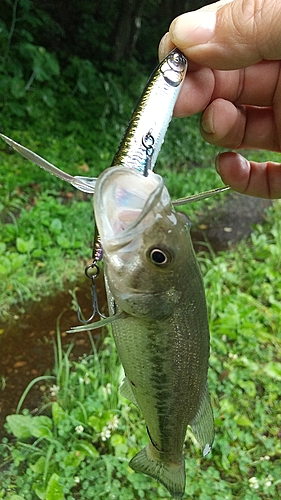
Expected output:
(255, 85)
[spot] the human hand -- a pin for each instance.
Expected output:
(234, 53)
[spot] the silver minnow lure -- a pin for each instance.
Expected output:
(145, 133)
(159, 317)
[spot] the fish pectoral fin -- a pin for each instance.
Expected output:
(126, 390)
(172, 476)
(97, 324)
(203, 425)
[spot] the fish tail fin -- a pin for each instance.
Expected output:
(172, 476)
(203, 425)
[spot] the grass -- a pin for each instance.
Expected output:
(80, 447)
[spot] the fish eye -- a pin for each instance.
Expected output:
(159, 256)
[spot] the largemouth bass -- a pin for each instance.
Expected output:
(160, 327)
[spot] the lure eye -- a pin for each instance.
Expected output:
(159, 256)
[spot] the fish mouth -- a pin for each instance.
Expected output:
(125, 203)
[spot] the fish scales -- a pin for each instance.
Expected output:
(165, 358)
(162, 334)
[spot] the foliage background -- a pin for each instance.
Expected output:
(70, 74)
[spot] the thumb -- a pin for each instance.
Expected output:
(230, 34)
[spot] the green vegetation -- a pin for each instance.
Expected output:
(73, 111)
(80, 446)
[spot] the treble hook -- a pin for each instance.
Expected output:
(92, 271)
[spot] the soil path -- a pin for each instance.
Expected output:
(229, 222)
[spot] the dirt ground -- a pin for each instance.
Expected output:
(231, 221)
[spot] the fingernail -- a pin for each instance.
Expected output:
(165, 46)
(207, 121)
(193, 28)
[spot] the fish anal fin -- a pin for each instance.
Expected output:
(203, 425)
(126, 391)
(172, 476)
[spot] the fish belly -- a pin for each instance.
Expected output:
(166, 375)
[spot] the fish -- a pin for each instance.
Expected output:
(159, 317)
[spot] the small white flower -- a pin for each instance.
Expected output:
(254, 482)
(79, 429)
(77, 479)
(109, 427)
(232, 356)
(266, 457)
(268, 483)
(113, 424)
(54, 390)
(87, 379)
(105, 433)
